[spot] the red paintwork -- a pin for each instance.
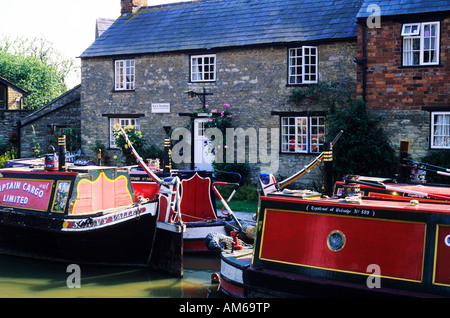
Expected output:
(196, 204)
(194, 245)
(303, 241)
(101, 194)
(376, 192)
(232, 289)
(442, 261)
(374, 204)
(147, 190)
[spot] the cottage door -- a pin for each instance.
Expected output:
(203, 156)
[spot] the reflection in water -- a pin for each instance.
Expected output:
(22, 277)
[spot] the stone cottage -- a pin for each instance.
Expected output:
(404, 73)
(38, 127)
(242, 56)
(12, 100)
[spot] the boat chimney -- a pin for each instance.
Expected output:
(62, 153)
(167, 164)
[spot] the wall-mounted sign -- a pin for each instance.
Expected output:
(160, 107)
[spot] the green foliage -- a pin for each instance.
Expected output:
(135, 137)
(36, 151)
(7, 149)
(218, 118)
(242, 168)
(34, 66)
(8, 155)
(245, 199)
(153, 152)
(99, 147)
(73, 138)
(440, 158)
(139, 144)
(364, 148)
(327, 94)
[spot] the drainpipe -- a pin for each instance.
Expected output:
(18, 146)
(363, 61)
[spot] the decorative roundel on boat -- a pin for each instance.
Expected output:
(336, 241)
(447, 240)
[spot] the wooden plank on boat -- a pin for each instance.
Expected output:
(167, 254)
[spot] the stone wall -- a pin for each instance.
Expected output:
(252, 80)
(62, 112)
(8, 122)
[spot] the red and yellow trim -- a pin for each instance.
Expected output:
(300, 238)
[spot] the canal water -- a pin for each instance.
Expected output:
(26, 278)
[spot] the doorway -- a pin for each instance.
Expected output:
(203, 155)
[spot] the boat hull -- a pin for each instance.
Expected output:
(196, 232)
(326, 248)
(124, 238)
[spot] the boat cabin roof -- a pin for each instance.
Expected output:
(411, 205)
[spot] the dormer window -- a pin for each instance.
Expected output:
(421, 43)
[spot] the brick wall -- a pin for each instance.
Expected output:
(252, 80)
(397, 94)
(391, 86)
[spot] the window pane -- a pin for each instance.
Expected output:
(124, 75)
(317, 133)
(123, 122)
(411, 51)
(441, 131)
(203, 68)
(302, 134)
(310, 65)
(430, 43)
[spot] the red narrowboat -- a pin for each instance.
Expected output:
(309, 244)
(88, 215)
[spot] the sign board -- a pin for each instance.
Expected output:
(160, 107)
(25, 194)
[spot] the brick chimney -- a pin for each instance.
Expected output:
(128, 6)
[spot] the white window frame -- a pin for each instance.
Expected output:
(124, 75)
(409, 37)
(307, 68)
(124, 122)
(440, 131)
(307, 137)
(201, 66)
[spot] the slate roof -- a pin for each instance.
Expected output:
(402, 7)
(15, 87)
(207, 24)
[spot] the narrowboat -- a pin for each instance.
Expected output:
(86, 215)
(198, 209)
(197, 200)
(311, 244)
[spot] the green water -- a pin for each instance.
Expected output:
(26, 278)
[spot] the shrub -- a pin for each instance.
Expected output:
(363, 149)
(9, 155)
(440, 158)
